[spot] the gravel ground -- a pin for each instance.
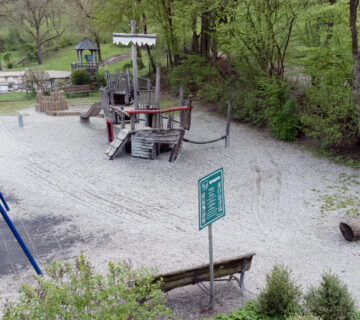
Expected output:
(146, 211)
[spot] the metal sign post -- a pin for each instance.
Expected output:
(211, 208)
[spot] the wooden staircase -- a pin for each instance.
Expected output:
(117, 147)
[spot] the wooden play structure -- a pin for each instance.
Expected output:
(54, 102)
(132, 106)
(199, 274)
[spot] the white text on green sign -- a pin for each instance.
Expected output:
(211, 198)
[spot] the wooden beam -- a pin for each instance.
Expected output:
(135, 67)
(157, 88)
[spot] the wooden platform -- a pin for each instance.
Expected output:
(144, 141)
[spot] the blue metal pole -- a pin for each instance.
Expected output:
(18, 237)
(4, 202)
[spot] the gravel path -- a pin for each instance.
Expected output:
(146, 211)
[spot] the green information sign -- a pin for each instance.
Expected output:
(211, 198)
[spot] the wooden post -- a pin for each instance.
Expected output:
(135, 67)
(227, 134)
(148, 88)
(122, 118)
(188, 114)
(132, 121)
(148, 103)
(182, 103)
(157, 88)
(351, 230)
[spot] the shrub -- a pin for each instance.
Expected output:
(250, 311)
(9, 65)
(80, 76)
(37, 77)
(198, 76)
(330, 117)
(74, 291)
(331, 300)
(280, 110)
(281, 295)
(299, 317)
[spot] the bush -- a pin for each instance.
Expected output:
(331, 300)
(80, 76)
(250, 311)
(197, 76)
(281, 295)
(299, 317)
(9, 65)
(37, 77)
(330, 117)
(280, 110)
(74, 291)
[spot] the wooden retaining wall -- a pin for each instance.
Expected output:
(54, 102)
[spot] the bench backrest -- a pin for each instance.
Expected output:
(200, 273)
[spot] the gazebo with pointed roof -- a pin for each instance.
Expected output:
(91, 64)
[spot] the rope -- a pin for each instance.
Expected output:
(203, 142)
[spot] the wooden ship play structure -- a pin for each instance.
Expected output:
(129, 102)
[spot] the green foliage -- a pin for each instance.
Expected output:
(281, 110)
(198, 76)
(330, 116)
(265, 101)
(250, 311)
(331, 300)
(9, 65)
(80, 76)
(7, 57)
(74, 291)
(300, 317)
(281, 295)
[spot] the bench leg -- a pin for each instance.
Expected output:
(241, 284)
(240, 281)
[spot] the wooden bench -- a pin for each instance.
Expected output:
(83, 88)
(222, 268)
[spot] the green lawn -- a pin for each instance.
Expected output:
(61, 59)
(9, 108)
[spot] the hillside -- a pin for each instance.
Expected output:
(62, 58)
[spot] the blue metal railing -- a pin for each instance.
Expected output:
(17, 235)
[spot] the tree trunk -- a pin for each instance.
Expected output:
(355, 51)
(330, 27)
(205, 34)
(148, 50)
(351, 230)
(97, 41)
(195, 37)
(139, 58)
(38, 44)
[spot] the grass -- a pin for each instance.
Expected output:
(340, 159)
(62, 58)
(10, 108)
(340, 198)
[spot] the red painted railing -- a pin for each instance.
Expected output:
(158, 111)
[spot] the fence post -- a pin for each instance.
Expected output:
(227, 134)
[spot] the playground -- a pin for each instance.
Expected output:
(67, 198)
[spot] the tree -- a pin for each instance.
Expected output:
(40, 19)
(355, 51)
(83, 12)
